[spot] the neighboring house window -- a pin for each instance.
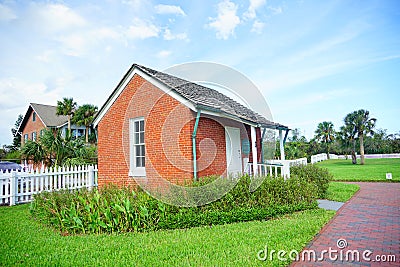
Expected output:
(34, 116)
(41, 132)
(34, 136)
(25, 138)
(137, 147)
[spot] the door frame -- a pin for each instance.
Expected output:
(229, 137)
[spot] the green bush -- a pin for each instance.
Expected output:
(320, 177)
(113, 209)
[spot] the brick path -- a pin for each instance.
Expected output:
(369, 221)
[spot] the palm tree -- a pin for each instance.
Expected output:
(56, 147)
(346, 138)
(34, 151)
(325, 133)
(67, 108)
(362, 125)
(84, 115)
(54, 150)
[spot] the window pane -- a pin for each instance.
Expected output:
(141, 138)
(138, 162)
(137, 141)
(138, 153)
(136, 126)
(143, 162)
(142, 150)
(142, 126)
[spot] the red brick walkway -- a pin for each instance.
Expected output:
(369, 221)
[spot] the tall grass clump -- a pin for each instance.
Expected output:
(111, 209)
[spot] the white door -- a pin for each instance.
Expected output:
(233, 150)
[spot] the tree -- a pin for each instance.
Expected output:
(54, 150)
(361, 124)
(346, 137)
(16, 144)
(325, 133)
(84, 115)
(67, 108)
(34, 151)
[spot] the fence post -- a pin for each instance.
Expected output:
(91, 177)
(13, 188)
(285, 169)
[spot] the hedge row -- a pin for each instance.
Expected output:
(113, 209)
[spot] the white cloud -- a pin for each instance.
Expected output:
(170, 36)
(46, 56)
(258, 27)
(6, 14)
(16, 93)
(276, 10)
(57, 17)
(134, 3)
(169, 9)
(142, 30)
(80, 42)
(226, 21)
(251, 11)
(73, 44)
(164, 54)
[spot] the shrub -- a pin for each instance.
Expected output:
(320, 177)
(113, 209)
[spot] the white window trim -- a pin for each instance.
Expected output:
(133, 170)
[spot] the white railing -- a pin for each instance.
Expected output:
(291, 162)
(367, 156)
(318, 158)
(20, 187)
(271, 169)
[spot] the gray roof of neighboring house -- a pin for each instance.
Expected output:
(207, 97)
(47, 114)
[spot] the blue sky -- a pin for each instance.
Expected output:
(312, 60)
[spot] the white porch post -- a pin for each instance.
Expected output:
(281, 146)
(254, 149)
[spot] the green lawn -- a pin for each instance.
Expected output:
(374, 170)
(341, 192)
(24, 241)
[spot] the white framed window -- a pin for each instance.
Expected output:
(25, 137)
(34, 136)
(137, 147)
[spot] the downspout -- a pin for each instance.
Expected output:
(196, 124)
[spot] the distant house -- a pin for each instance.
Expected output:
(39, 117)
(157, 126)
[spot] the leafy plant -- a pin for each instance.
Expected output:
(112, 209)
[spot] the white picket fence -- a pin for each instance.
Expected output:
(318, 158)
(20, 187)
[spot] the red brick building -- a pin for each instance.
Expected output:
(154, 124)
(39, 117)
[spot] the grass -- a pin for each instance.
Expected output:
(341, 192)
(24, 241)
(374, 170)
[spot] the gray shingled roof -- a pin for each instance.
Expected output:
(48, 115)
(207, 97)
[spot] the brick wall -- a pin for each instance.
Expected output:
(169, 126)
(32, 126)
